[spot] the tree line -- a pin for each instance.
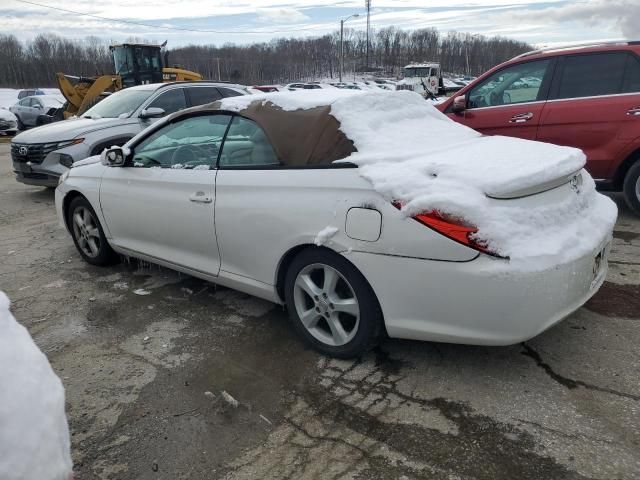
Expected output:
(281, 60)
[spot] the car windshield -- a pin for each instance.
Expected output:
(417, 72)
(120, 104)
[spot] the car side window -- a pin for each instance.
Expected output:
(592, 75)
(203, 95)
(516, 84)
(170, 101)
(246, 145)
(190, 143)
(631, 75)
(25, 102)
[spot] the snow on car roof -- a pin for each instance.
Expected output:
(414, 154)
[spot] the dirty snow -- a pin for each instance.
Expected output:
(34, 436)
(324, 235)
(414, 154)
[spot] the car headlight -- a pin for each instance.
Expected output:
(63, 177)
(66, 143)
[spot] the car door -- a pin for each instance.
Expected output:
(594, 105)
(161, 204)
(36, 109)
(249, 189)
(505, 104)
(23, 110)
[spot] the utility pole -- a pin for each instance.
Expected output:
(342, 43)
(367, 4)
(341, 50)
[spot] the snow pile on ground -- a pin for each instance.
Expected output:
(34, 436)
(414, 154)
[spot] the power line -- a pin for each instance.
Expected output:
(141, 24)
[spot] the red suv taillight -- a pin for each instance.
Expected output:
(452, 227)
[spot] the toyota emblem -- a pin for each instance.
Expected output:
(24, 150)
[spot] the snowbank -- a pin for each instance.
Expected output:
(414, 154)
(34, 436)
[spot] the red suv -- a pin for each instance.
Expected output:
(586, 97)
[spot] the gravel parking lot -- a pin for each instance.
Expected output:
(145, 354)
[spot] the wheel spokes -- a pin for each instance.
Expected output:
(93, 232)
(310, 318)
(86, 216)
(340, 337)
(306, 283)
(77, 219)
(330, 281)
(347, 305)
(93, 246)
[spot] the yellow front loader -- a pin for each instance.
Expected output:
(135, 64)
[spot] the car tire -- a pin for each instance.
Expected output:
(341, 318)
(87, 233)
(631, 188)
(21, 126)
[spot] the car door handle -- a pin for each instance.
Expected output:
(200, 197)
(635, 111)
(521, 117)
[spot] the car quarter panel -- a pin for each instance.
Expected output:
(483, 302)
(262, 214)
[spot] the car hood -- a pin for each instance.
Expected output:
(7, 115)
(69, 129)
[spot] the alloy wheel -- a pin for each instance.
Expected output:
(326, 304)
(86, 232)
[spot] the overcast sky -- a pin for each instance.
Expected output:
(244, 21)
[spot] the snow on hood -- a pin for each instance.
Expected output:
(7, 115)
(414, 154)
(34, 437)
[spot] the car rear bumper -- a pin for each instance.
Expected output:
(477, 302)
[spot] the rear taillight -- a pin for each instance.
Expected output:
(452, 227)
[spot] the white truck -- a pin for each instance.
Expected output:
(423, 78)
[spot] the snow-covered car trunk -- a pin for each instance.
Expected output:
(414, 155)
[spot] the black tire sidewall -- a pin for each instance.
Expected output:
(106, 256)
(370, 313)
(20, 124)
(629, 188)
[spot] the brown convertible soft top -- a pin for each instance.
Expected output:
(299, 137)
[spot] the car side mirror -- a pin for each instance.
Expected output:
(152, 112)
(113, 157)
(459, 104)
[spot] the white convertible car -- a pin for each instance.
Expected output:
(361, 212)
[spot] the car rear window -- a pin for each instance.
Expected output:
(592, 75)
